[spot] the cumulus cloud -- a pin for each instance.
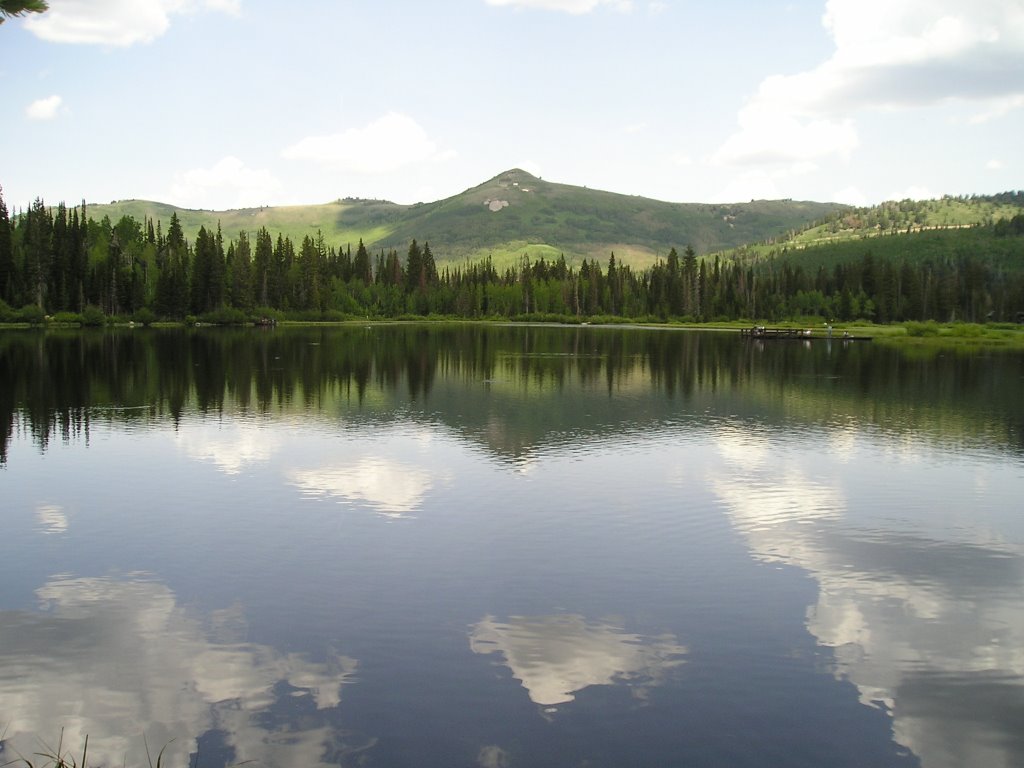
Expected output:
(751, 184)
(914, 192)
(44, 109)
(888, 54)
(997, 109)
(767, 135)
(389, 143)
(575, 7)
(227, 184)
(850, 196)
(115, 22)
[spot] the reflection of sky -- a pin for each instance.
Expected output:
(390, 487)
(51, 518)
(118, 658)
(231, 446)
(932, 630)
(556, 656)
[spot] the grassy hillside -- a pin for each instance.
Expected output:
(512, 214)
(516, 212)
(934, 245)
(903, 217)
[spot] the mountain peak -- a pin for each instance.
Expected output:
(514, 176)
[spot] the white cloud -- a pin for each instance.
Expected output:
(769, 136)
(750, 185)
(998, 108)
(231, 7)
(914, 192)
(888, 54)
(995, 165)
(115, 22)
(850, 196)
(681, 159)
(44, 109)
(575, 7)
(228, 184)
(389, 143)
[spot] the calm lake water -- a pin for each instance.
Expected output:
(509, 546)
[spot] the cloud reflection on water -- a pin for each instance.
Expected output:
(118, 658)
(231, 446)
(554, 657)
(51, 518)
(930, 630)
(392, 488)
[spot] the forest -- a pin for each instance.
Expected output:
(59, 262)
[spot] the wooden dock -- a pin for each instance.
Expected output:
(798, 334)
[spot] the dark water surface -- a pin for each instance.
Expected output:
(509, 546)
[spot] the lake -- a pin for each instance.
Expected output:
(479, 545)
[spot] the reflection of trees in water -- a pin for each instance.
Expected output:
(59, 383)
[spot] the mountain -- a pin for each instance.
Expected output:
(896, 217)
(509, 215)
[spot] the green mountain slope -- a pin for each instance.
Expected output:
(902, 217)
(512, 214)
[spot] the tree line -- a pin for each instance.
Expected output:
(57, 260)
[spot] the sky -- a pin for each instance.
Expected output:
(220, 104)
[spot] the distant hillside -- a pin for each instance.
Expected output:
(512, 214)
(894, 217)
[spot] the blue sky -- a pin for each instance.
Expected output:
(231, 103)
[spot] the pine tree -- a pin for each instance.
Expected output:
(361, 265)
(21, 7)
(414, 277)
(37, 245)
(172, 287)
(8, 269)
(261, 267)
(239, 266)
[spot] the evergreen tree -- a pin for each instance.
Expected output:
(8, 268)
(19, 7)
(239, 266)
(80, 256)
(429, 268)
(361, 265)
(262, 267)
(172, 287)
(37, 247)
(309, 275)
(414, 272)
(201, 276)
